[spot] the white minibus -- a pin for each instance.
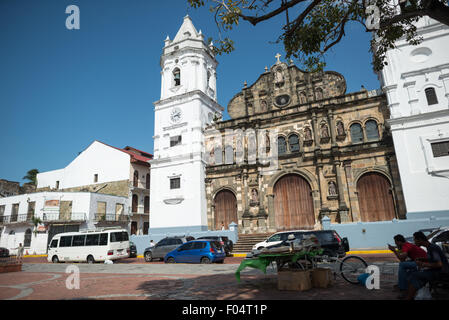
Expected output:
(90, 245)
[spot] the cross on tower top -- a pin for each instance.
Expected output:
(277, 57)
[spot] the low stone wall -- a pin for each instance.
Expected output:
(10, 264)
(377, 234)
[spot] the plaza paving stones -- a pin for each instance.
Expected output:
(138, 280)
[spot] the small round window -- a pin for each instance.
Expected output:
(282, 100)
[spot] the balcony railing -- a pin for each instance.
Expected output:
(56, 216)
(15, 218)
(112, 217)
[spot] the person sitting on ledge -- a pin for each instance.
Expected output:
(407, 253)
(429, 269)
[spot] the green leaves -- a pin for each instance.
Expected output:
(313, 27)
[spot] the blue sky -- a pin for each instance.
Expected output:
(62, 89)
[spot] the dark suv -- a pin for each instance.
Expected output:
(227, 244)
(163, 247)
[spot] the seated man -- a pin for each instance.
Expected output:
(429, 268)
(406, 251)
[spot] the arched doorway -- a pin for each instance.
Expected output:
(375, 197)
(293, 203)
(27, 238)
(225, 209)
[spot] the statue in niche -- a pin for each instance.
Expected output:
(307, 134)
(324, 131)
(278, 77)
(267, 141)
(332, 189)
(263, 106)
(254, 195)
(340, 128)
(254, 200)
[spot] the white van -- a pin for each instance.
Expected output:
(90, 246)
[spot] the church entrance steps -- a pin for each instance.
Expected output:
(246, 242)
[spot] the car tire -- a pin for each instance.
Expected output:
(55, 259)
(148, 257)
(90, 259)
(170, 260)
(260, 248)
(205, 260)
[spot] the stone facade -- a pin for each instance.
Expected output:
(9, 188)
(313, 114)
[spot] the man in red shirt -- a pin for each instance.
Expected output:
(407, 253)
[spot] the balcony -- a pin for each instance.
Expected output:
(141, 185)
(16, 218)
(56, 217)
(111, 217)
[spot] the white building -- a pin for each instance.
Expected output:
(187, 105)
(416, 81)
(109, 170)
(58, 212)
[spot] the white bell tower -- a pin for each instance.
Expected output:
(188, 104)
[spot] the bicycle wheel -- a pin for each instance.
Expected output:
(352, 267)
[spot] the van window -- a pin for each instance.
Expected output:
(78, 241)
(119, 236)
(103, 239)
(65, 241)
(92, 239)
(54, 243)
(276, 237)
(324, 237)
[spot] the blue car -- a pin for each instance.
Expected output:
(197, 251)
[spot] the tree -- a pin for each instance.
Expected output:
(31, 176)
(318, 25)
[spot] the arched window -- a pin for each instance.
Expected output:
(134, 203)
(208, 78)
(27, 239)
(229, 154)
(177, 77)
(282, 146)
(146, 204)
(431, 96)
(147, 181)
(372, 132)
(293, 142)
(136, 178)
(218, 155)
(356, 133)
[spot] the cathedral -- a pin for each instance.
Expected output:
(297, 148)
(334, 155)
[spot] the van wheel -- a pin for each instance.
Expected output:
(90, 259)
(148, 257)
(55, 259)
(205, 260)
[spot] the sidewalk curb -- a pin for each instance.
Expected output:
(348, 253)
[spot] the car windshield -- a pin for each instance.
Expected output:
(433, 233)
(215, 244)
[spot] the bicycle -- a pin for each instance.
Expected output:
(349, 267)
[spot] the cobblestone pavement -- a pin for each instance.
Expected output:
(135, 279)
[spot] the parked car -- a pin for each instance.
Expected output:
(426, 232)
(132, 250)
(163, 247)
(4, 253)
(330, 241)
(197, 251)
(224, 241)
